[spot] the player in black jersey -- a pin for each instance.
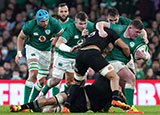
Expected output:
(90, 97)
(90, 55)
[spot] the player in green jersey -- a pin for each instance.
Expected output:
(64, 20)
(130, 34)
(37, 33)
(114, 17)
(64, 58)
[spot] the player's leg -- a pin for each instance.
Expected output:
(52, 82)
(33, 71)
(57, 75)
(69, 76)
(55, 90)
(33, 66)
(41, 102)
(65, 65)
(79, 77)
(44, 64)
(127, 76)
(109, 72)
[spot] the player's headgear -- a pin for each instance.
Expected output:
(41, 15)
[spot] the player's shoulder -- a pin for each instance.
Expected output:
(30, 24)
(71, 27)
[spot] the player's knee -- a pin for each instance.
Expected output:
(54, 81)
(131, 78)
(42, 80)
(106, 70)
(79, 79)
(33, 74)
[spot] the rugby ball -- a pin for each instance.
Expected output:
(142, 48)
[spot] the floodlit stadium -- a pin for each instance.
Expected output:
(80, 56)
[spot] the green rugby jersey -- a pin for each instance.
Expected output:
(39, 37)
(64, 26)
(123, 21)
(73, 37)
(116, 53)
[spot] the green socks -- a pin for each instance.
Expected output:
(35, 91)
(55, 90)
(27, 90)
(129, 93)
(46, 88)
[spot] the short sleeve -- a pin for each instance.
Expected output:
(26, 29)
(66, 35)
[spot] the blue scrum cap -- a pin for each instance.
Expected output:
(41, 15)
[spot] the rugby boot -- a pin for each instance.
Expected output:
(120, 105)
(65, 110)
(133, 110)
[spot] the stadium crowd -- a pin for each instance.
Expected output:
(15, 13)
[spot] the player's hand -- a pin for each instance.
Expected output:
(84, 32)
(18, 56)
(141, 54)
(53, 39)
(145, 40)
(103, 34)
(75, 48)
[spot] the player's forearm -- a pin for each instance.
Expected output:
(100, 25)
(62, 46)
(20, 43)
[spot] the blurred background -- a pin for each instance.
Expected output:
(14, 13)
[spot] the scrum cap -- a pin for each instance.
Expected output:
(41, 15)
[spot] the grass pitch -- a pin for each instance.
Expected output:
(148, 110)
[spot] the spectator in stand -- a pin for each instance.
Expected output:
(73, 12)
(14, 41)
(155, 41)
(6, 36)
(4, 55)
(158, 17)
(139, 69)
(156, 68)
(3, 23)
(15, 75)
(23, 70)
(155, 27)
(1, 44)
(7, 67)
(150, 74)
(11, 50)
(9, 15)
(2, 73)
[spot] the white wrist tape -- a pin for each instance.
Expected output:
(64, 47)
(19, 53)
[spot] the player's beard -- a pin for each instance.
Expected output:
(63, 19)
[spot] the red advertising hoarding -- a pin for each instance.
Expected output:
(147, 92)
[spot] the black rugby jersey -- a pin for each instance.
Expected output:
(95, 39)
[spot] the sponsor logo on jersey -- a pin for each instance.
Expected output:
(76, 37)
(80, 42)
(35, 34)
(132, 44)
(42, 38)
(47, 31)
